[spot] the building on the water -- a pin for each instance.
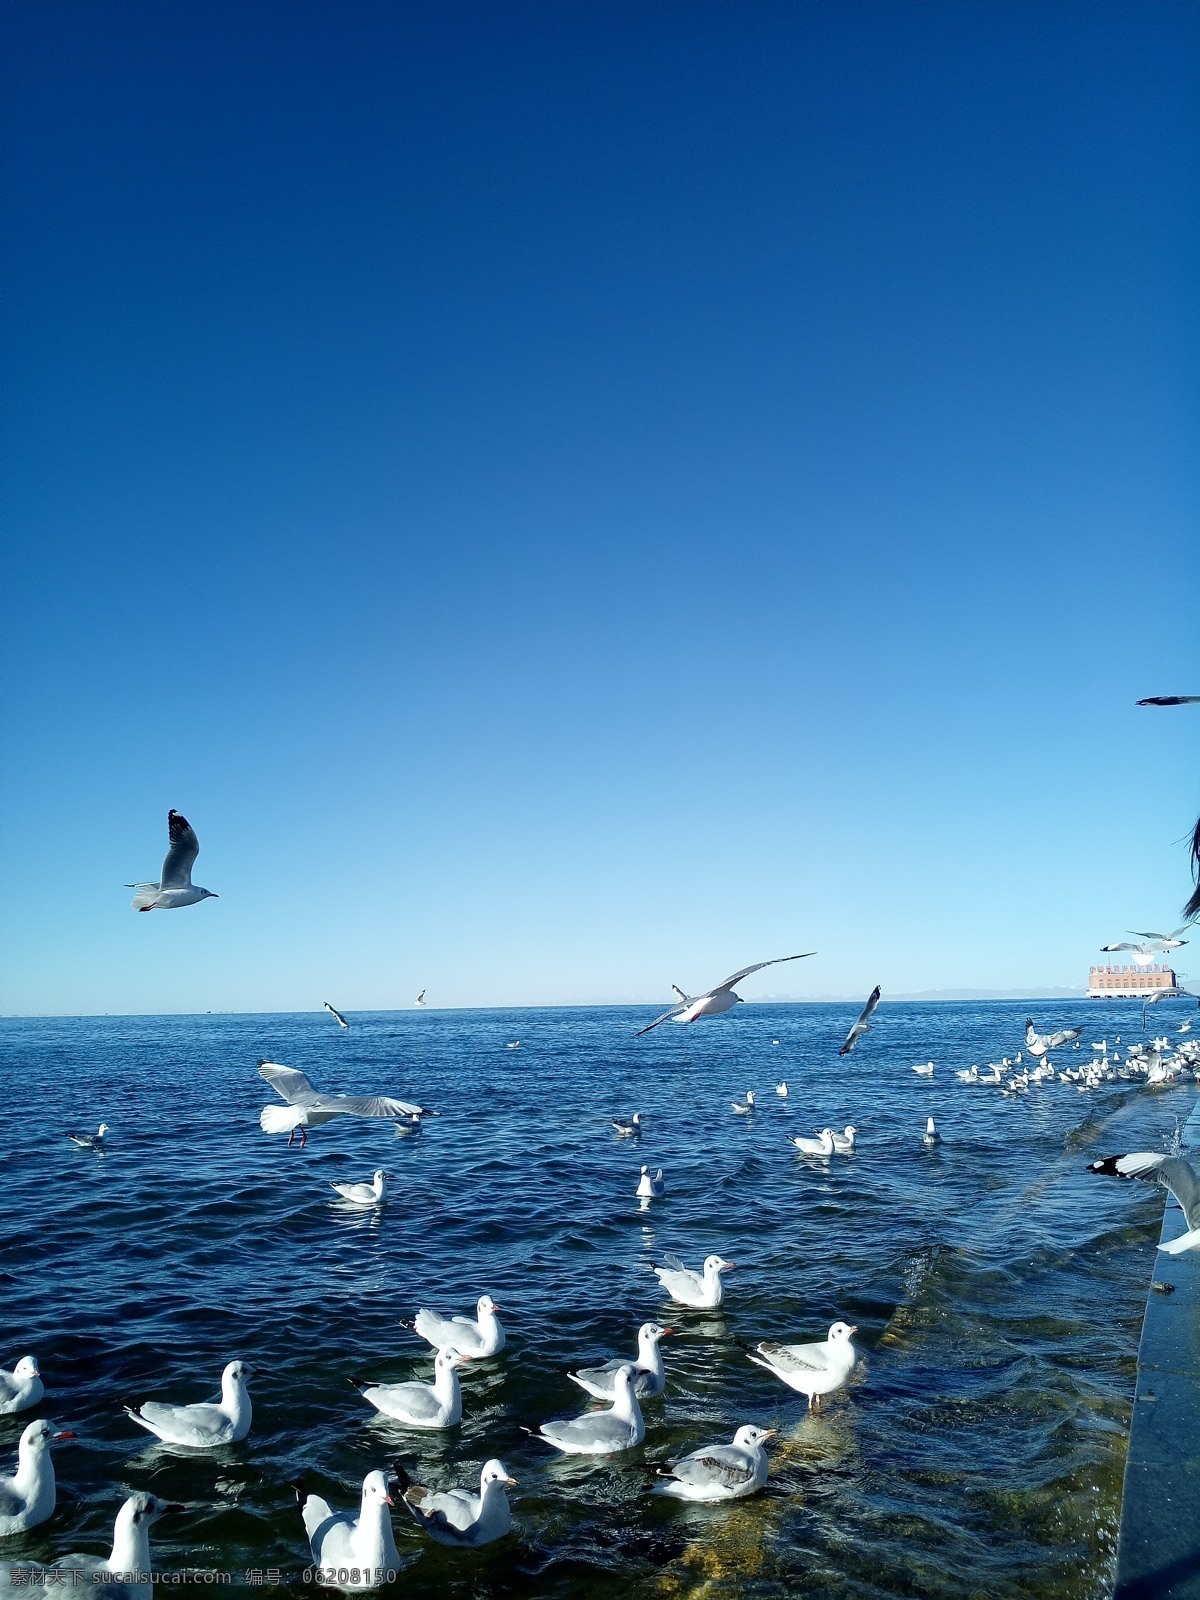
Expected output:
(1129, 983)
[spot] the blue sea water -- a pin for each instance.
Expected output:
(999, 1289)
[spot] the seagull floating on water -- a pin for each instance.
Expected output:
(781, 1089)
(126, 1572)
(479, 1336)
(811, 1369)
(365, 1194)
(456, 1516)
(719, 1471)
(21, 1388)
(843, 1142)
(602, 1433)
(421, 1405)
(932, 1136)
(1176, 1174)
(90, 1141)
(175, 888)
(354, 1547)
(28, 1497)
(206, 1426)
(650, 1375)
(335, 1014)
(742, 1106)
(627, 1125)
(703, 1291)
(307, 1109)
(823, 1145)
(863, 1023)
(651, 1188)
(925, 1070)
(690, 1008)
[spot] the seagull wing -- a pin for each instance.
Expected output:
(861, 1025)
(335, 1013)
(1138, 934)
(10, 1504)
(757, 967)
(1063, 1036)
(673, 1012)
(1178, 931)
(719, 1463)
(290, 1084)
(361, 1105)
(797, 1357)
(1171, 700)
(1173, 1172)
(674, 1262)
(1111, 949)
(181, 854)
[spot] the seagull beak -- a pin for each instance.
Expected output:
(769, 1433)
(511, 1482)
(388, 1501)
(854, 1329)
(665, 1332)
(65, 1434)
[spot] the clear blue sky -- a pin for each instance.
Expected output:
(573, 497)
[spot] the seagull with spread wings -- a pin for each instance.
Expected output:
(307, 1109)
(1175, 1173)
(175, 888)
(336, 1015)
(1153, 944)
(689, 1008)
(863, 1023)
(1040, 1044)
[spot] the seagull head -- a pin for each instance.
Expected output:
(102, 1130)
(142, 1509)
(750, 1437)
(375, 1487)
(237, 1372)
(717, 1264)
(27, 1367)
(209, 894)
(842, 1332)
(495, 1472)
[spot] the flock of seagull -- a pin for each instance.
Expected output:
(355, 1549)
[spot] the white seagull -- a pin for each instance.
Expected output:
(1040, 1044)
(420, 1000)
(335, 1014)
(365, 1194)
(651, 1187)
(479, 1336)
(356, 1548)
(742, 1106)
(90, 1141)
(176, 888)
(421, 1405)
(125, 1573)
(206, 1426)
(456, 1516)
(602, 1433)
(21, 1388)
(1174, 1173)
(844, 1142)
(823, 1145)
(650, 1376)
(925, 1070)
(689, 1008)
(812, 1369)
(1151, 945)
(627, 1125)
(781, 1089)
(28, 1497)
(307, 1109)
(863, 1023)
(719, 1471)
(932, 1136)
(703, 1291)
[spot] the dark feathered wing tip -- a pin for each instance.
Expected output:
(301, 1492)
(401, 1476)
(1106, 1168)
(177, 825)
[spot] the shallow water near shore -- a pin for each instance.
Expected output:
(999, 1289)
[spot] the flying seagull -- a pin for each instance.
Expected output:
(1192, 909)
(420, 1000)
(176, 888)
(307, 1109)
(688, 1008)
(336, 1015)
(863, 1023)
(1039, 1044)
(1174, 1173)
(1171, 700)
(1153, 944)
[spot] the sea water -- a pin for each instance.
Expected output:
(997, 1286)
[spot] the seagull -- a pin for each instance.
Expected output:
(335, 1014)
(27, 1498)
(458, 1517)
(1174, 1173)
(925, 1070)
(689, 1008)
(1152, 944)
(742, 1106)
(863, 1023)
(126, 1572)
(823, 1145)
(627, 1125)
(407, 1125)
(176, 888)
(651, 1188)
(719, 1471)
(702, 1291)
(421, 1405)
(365, 1194)
(812, 1369)
(781, 1089)
(513, 1044)
(362, 1549)
(650, 1376)
(420, 1000)
(602, 1433)
(1039, 1044)
(479, 1337)
(21, 1388)
(1171, 700)
(90, 1141)
(932, 1136)
(843, 1142)
(205, 1426)
(307, 1109)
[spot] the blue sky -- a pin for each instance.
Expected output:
(570, 498)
